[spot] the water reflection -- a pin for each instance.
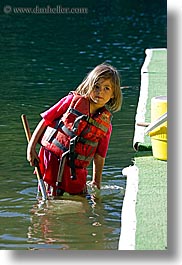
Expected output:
(74, 222)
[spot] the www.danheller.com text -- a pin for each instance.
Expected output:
(58, 9)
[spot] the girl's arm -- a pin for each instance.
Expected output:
(98, 164)
(99, 158)
(31, 149)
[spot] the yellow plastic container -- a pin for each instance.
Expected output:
(159, 135)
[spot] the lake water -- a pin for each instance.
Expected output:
(43, 57)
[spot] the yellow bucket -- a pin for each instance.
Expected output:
(159, 135)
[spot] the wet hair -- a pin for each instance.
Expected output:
(104, 71)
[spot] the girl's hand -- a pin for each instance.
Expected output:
(32, 155)
(95, 189)
(95, 185)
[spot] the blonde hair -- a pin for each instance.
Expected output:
(104, 71)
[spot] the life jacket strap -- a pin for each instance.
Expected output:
(72, 156)
(59, 145)
(75, 112)
(61, 167)
(76, 156)
(77, 121)
(66, 130)
(52, 131)
(96, 124)
(87, 118)
(86, 141)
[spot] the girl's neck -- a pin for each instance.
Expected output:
(94, 107)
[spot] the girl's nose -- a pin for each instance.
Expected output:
(100, 89)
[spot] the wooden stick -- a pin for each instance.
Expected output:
(37, 168)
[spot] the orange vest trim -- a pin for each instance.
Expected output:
(77, 128)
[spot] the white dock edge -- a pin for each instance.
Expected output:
(141, 109)
(128, 221)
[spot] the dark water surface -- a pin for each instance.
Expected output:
(43, 57)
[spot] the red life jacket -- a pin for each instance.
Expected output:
(76, 135)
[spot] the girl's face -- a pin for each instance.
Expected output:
(102, 92)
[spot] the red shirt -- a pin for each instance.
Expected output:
(60, 108)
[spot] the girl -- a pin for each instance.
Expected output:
(75, 131)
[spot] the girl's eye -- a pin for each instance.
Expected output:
(107, 88)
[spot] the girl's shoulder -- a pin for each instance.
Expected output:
(106, 113)
(58, 109)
